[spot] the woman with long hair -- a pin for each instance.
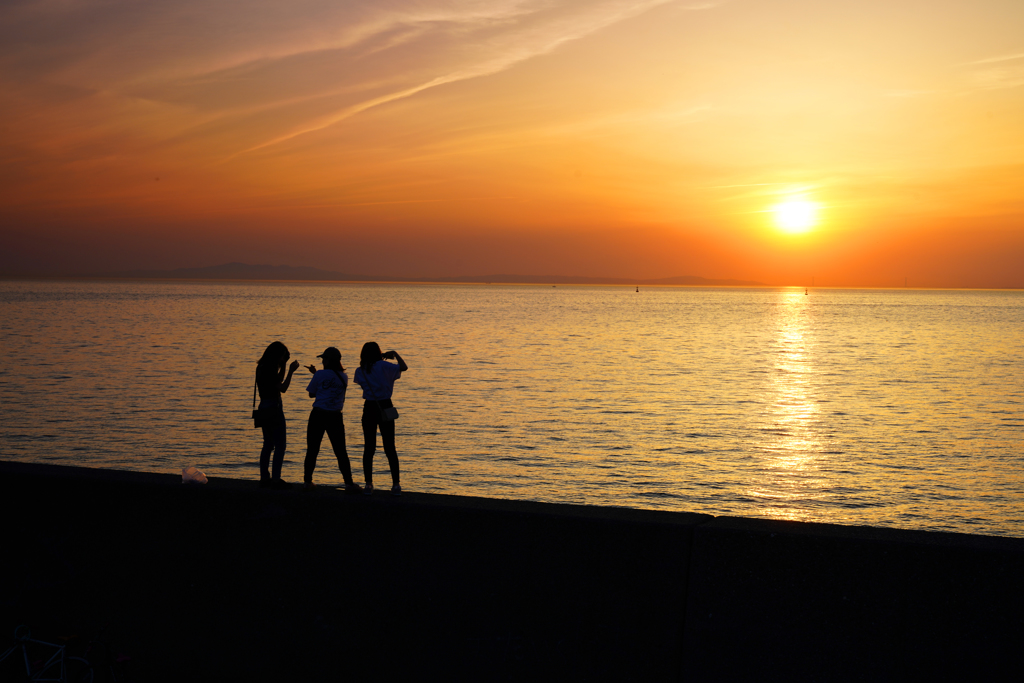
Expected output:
(272, 381)
(377, 378)
(328, 387)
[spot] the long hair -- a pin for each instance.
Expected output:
(276, 352)
(370, 354)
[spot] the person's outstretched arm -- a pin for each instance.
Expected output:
(288, 380)
(401, 363)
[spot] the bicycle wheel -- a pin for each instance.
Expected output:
(77, 670)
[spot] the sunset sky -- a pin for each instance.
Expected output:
(855, 142)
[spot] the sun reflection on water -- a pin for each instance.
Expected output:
(788, 478)
(886, 408)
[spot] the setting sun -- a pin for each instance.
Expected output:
(796, 215)
(751, 141)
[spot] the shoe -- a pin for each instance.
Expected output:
(368, 490)
(353, 488)
(308, 486)
(265, 483)
(279, 484)
(396, 490)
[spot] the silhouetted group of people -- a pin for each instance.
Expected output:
(328, 386)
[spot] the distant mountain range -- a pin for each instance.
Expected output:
(245, 271)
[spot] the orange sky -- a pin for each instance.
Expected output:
(630, 138)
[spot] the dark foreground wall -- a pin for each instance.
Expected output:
(229, 581)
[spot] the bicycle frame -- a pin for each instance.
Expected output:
(54, 666)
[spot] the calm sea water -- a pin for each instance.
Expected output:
(890, 408)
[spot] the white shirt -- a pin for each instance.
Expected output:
(330, 392)
(382, 380)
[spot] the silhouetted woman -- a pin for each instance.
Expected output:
(272, 381)
(328, 387)
(377, 378)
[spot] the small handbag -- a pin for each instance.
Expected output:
(386, 414)
(257, 420)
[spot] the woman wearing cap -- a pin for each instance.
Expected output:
(377, 378)
(272, 382)
(328, 387)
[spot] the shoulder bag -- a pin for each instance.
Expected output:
(257, 421)
(386, 414)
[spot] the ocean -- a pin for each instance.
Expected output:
(895, 408)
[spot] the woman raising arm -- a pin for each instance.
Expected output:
(377, 378)
(272, 381)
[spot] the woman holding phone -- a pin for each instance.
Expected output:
(377, 378)
(272, 381)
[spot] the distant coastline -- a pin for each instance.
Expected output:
(245, 271)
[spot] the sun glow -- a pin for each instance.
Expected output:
(796, 215)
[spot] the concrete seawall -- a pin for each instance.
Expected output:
(227, 580)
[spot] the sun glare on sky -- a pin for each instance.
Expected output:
(754, 141)
(795, 216)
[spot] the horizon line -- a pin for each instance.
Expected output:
(384, 281)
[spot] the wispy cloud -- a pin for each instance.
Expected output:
(1009, 72)
(994, 60)
(999, 78)
(339, 116)
(909, 93)
(503, 40)
(271, 72)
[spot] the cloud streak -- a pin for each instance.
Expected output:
(995, 60)
(526, 33)
(298, 70)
